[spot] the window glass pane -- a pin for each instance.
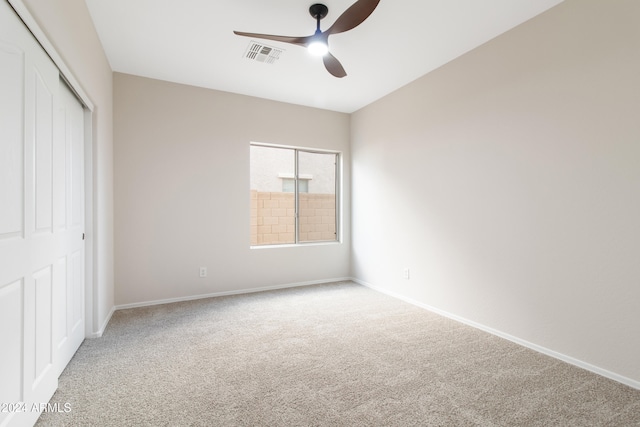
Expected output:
(317, 218)
(288, 184)
(272, 210)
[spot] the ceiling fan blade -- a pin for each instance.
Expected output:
(300, 41)
(333, 66)
(354, 16)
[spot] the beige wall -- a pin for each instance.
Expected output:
(69, 28)
(182, 190)
(524, 155)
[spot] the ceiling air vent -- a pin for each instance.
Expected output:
(262, 53)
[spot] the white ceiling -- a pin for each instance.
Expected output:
(192, 42)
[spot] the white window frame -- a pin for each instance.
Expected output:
(296, 176)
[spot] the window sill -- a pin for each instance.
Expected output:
(296, 245)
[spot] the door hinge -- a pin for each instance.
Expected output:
(82, 236)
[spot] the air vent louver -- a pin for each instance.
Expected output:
(262, 53)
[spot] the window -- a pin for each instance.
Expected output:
(289, 183)
(293, 195)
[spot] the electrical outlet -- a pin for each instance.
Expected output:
(405, 273)
(203, 271)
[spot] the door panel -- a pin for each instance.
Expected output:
(42, 282)
(75, 133)
(69, 136)
(41, 222)
(37, 243)
(60, 324)
(12, 147)
(43, 155)
(11, 355)
(77, 285)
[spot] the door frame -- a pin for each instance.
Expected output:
(92, 327)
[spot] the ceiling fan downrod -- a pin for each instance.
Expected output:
(318, 44)
(318, 11)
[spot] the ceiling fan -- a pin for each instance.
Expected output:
(318, 42)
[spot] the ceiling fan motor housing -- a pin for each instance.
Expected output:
(318, 11)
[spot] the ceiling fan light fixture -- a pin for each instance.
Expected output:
(318, 48)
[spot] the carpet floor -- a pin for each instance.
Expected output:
(337, 354)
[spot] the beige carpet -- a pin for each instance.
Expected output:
(327, 355)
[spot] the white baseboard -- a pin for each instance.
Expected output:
(100, 331)
(568, 359)
(227, 293)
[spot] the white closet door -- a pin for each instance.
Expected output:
(68, 219)
(41, 224)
